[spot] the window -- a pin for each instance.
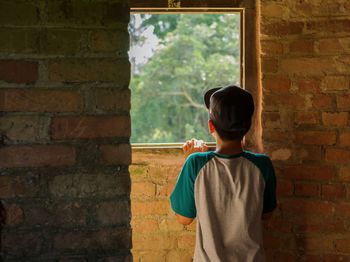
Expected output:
(175, 58)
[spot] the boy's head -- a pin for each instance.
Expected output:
(230, 109)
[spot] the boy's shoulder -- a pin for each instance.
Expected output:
(262, 161)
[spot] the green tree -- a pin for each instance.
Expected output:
(196, 52)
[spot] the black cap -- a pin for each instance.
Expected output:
(230, 108)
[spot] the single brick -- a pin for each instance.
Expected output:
(36, 156)
(86, 70)
(307, 207)
(284, 188)
(14, 214)
(307, 172)
(307, 117)
(308, 85)
(30, 100)
(307, 189)
(110, 41)
(143, 225)
(333, 192)
(315, 137)
(63, 42)
(330, 45)
(344, 174)
(116, 154)
(305, 46)
(343, 101)
(18, 13)
(271, 119)
(159, 242)
(17, 186)
(277, 85)
(342, 210)
(150, 208)
(186, 241)
(143, 190)
(103, 239)
(19, 40)
(306, 66)
(329, 26)
(271, 48)
(316, 244)
(23, 244)
(90, 127)
(336, 83)
(282, 28)
(321, 101)
(339, 119)
(337, 155)
(111, 101)
(336, 257)
(342, 245)
(84, 185)
(18, 72)
(19, 129)
(112, 213)
(269, 65)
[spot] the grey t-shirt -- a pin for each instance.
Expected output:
(228, 194)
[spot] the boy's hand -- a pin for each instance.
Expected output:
(190, 147)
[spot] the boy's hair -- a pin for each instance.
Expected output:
(231, 109)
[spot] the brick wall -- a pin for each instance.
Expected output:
(305, 52)
(305, 66)
(65, 128)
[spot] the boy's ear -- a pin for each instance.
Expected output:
(211, 126)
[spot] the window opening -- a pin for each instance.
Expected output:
(175, 58)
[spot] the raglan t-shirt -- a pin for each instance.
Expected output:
(228, 194)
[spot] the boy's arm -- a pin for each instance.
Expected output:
(184, 220)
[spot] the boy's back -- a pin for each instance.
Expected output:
(228, 194)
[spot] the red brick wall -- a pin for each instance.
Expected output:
(65, 127)
(305, 71)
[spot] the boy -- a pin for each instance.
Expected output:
(229, 190)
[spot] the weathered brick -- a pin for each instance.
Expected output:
(150, 208)
(18, 13)
(282, 28)
(116, 154)
(307, 117)
(336, 258)
(308, 85)
(321, 101)
(18, 186)
(271, 119)
(186, 241)
(330, 45)
(329, 26)
(105, 239)
(269, 65)
(277, 85)
(333, 192)
(171, 225)
(316, 244)
(306, 66)
(153, 242)
(36, 156)
(285, 100)
(344, 174)
(143, 190)
(343, 101)
(174, 256)
(342, 245)
(13, 71)
(337, 155)
(63, 42)
(271, 48)
(111, 101)
(315, 137)
(25, 100)
(336, 83)
(307, 189)
(302, 46)
(84, 185)
(80, 13)
(19, 40)
(110, 41)
(14, 214)
(284, 188)
(282, 154)
(23, 244)
(308, 207)
(339, 119)
(114, 212)
(25, 128)
(143, 225)
(90, 127)
(85, 70)
(342, 210)
(307, 172)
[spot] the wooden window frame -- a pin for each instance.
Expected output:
(250, 63)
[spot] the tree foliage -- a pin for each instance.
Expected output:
(196, 52)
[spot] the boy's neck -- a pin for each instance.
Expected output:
(228, 147)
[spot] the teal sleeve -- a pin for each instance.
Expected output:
(182, 198)
(270, 201)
